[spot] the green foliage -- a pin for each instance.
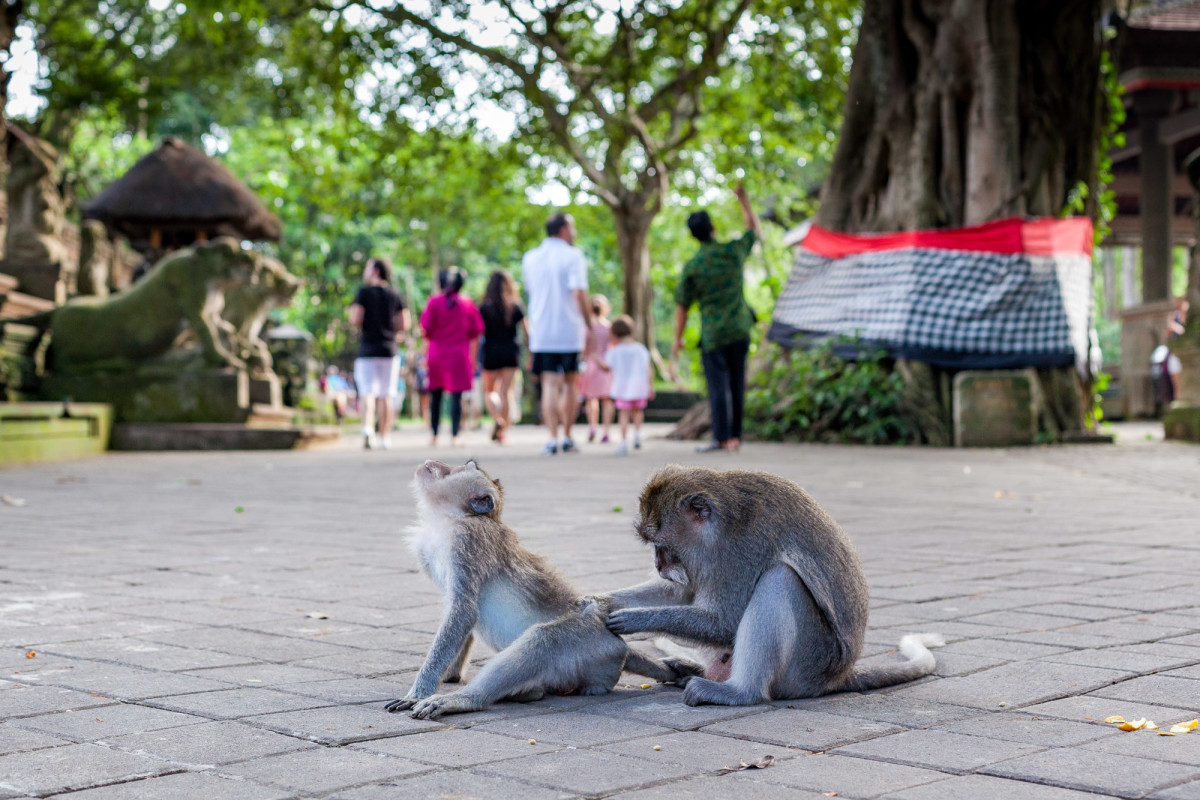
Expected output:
(817, 396)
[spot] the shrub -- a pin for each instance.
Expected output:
(818, 396)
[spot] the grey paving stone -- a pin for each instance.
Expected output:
(456, 747)
(986, 786)
(896, 707)
(339, 725)
(1182, 749)
(1088, 708)
(456, 785)
(1121, 659)
(323, 769)
(19, 700)
(584, 771)
(572, 728)
(719, 787)
(1091, 771)
(94, 724)
(265, 675)
(701, 752)
(667, 709)
(183, 785)
(253, 646)
(1185, 791)
(1030, 729)
(235, 703)
(940, 750)
(1014, 685)
(998, 648)
(148, 655)
(124, 683)
(847, 776)
(345, 690)
(20, 740)
(810, 730)
(363, 663)
(210, 743)
(75, 766)
(1157, 689)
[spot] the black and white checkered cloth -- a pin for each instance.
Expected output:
(951, 308)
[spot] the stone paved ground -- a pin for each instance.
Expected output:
(169, 599)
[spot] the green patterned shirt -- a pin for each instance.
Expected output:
(713, 278)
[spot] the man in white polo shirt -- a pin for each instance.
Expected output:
(559, 313)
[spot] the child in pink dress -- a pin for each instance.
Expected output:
(452, 326)
(628, 362)
(595, 383)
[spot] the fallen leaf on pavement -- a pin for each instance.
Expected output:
(1114, 718)
(31, 653)
(1135, 725)
(1185, 727)
(762, 763)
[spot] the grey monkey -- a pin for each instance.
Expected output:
(750, 563)
(549, 639)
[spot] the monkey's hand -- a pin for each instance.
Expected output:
(404, 703)
(630, 620)
(684, 670)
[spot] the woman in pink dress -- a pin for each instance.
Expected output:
(452, 326)
(595, 384)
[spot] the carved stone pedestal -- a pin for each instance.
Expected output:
(1182, 420)
(154, 393)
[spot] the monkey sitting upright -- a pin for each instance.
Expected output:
(549, 639)
(749, 562)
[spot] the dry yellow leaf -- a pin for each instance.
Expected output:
(645, 686)
(1136, 725)
(1114, 718)
(1165, 733)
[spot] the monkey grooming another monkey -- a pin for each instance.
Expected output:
(749, 562)
(549, 639)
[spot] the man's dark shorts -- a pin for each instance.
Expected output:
(565, 363)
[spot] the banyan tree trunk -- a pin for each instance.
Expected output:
(963, 111)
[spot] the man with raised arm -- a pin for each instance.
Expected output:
(713, 279)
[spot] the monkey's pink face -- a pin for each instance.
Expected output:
(465, 489)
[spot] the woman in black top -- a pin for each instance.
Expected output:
(502, 315)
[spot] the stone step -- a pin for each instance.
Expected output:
(14, 305)
(159, 436)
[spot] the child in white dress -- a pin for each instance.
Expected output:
(632, 380)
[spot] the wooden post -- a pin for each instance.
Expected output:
(1131, 290)
(1157, 172)
(156, 239)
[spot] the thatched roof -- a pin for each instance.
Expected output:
(177, 187)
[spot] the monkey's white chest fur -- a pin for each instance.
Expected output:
(504, 611)
(434, 549)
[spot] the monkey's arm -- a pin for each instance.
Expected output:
(456, 627)
(698, 624)
(656, 592)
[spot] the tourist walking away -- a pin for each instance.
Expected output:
(713, 279)
(502, 318)
(632, 380)
(595, 382)
(452, 326)
(560, 313)
(379, 313)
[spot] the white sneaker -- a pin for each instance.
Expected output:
(550, 449)
(368, 441)
(623, 448)
(383, 442)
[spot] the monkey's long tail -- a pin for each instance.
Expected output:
(914, 647)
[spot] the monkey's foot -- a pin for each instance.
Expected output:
(684, 670)
(439, 704)
(701, 690)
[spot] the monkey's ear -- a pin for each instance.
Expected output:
(471, 464)
(700, 507)
(482, 504)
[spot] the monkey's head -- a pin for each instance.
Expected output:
(464, 491)
(678, 516)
